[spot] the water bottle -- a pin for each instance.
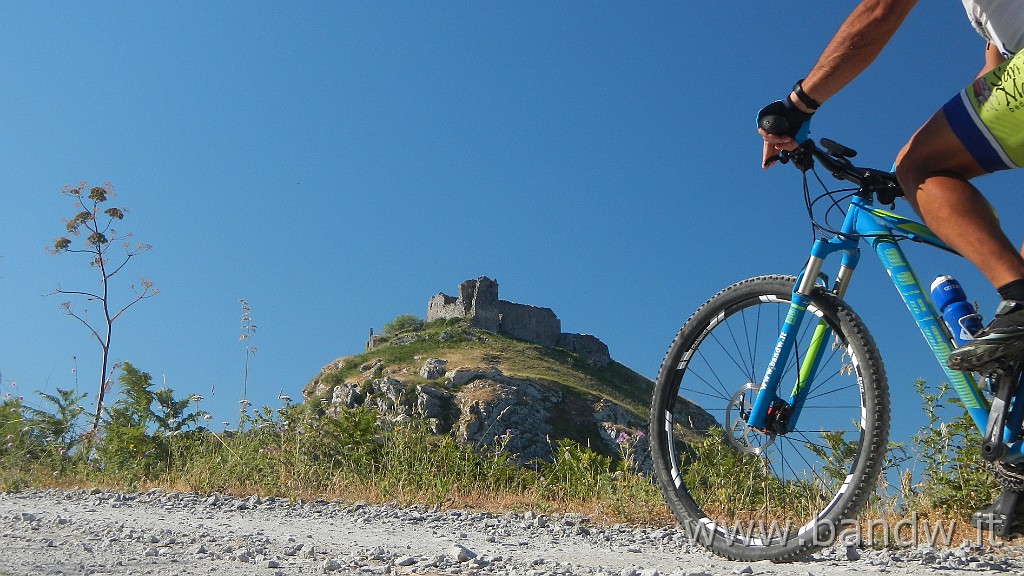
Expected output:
(960, 316)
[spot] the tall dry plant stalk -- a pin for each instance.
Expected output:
(94, 225)
(248, 330)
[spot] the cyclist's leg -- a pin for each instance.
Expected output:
(978, 131)
(933, 169)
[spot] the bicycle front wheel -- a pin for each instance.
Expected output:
(745, 493)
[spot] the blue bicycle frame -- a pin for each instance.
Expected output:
(880, 229)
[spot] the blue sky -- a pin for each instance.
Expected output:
(337, 163)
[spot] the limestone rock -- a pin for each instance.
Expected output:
(432, 403)
(346, 395)
(498, 410)
(433, 368)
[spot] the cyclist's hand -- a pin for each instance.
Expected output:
(772, 146)
(783, 127)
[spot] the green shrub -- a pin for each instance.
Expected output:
(142, 427)
(59, 432)
(953, 481)
(15, 445)
(403, 323)
(576, 474)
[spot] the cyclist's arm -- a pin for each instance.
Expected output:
(856, 45)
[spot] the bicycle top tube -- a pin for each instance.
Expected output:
(900, 226)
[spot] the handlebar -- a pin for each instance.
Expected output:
(836, 159)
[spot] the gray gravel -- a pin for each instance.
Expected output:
(97, 532)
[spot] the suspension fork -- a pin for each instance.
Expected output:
(767, 396)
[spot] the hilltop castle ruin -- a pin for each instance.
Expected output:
(478, 301)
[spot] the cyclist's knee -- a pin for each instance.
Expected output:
(910, 174)
(932, 153)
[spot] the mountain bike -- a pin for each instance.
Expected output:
(770, 416)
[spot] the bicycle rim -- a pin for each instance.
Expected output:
(744, 493)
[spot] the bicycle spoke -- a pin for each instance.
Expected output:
(732, 358)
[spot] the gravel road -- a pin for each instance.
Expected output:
(97, 532)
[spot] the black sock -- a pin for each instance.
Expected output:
(1012, 290)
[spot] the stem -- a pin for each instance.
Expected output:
(245, 373)
(105, 344)
(245, 379)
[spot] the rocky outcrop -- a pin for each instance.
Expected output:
(478, 301)
(481, 406)
(498, 411)
(485, 408)
(433, 368)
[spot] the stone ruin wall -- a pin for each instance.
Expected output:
(443, 306)
(478, 301)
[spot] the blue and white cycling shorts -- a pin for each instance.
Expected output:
(988, 116)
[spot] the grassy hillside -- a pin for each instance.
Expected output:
(463, 346)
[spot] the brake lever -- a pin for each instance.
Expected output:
(782, 158)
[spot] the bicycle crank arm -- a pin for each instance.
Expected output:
(993, 447)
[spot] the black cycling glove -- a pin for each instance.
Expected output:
(782, 118)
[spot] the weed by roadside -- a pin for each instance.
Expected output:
(150, 438)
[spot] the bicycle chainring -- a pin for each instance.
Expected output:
(1009, 476)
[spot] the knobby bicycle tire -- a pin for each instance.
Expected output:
(740, 492)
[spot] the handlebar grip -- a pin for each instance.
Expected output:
(772, 124)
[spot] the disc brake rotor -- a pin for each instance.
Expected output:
(738, 433)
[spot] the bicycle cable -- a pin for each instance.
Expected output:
(835, 203)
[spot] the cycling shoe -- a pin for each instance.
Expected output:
(999, 342)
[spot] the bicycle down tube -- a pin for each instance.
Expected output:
(879, 228)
